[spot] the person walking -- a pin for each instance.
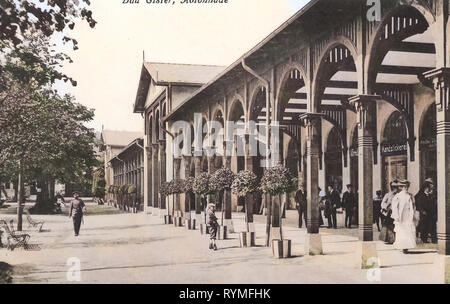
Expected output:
(426, 205)
(387, 234)
(377, 209)
(301, 204)
(349, 204)
(212, 224)
(405, 219)
(77, 209)
(335, 200)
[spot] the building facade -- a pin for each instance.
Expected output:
(359, 97)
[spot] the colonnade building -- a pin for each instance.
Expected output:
(360, 98)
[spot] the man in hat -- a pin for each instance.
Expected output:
(77, 208)
(427, 207)
(403, 213)
(300, 200)
(349, 204)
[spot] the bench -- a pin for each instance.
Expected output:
(33, 223)
(14, 239)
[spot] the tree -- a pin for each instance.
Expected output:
(98, 184)
(43, 137)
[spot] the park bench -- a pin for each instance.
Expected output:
(33, 223)
(14, 239)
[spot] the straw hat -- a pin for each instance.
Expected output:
(403, 182)
(322, 194)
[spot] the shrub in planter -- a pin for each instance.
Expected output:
(275, 182)
(131, 189)
(246, 183)
(222, 180)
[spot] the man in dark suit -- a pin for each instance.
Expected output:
(300, 200)
(77, 208)
(349, 204)
(335, 200)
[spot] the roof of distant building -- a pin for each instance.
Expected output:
(165, 73)
(119, 138)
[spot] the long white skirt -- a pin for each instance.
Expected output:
(405, 235)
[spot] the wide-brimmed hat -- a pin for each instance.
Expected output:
(429, 180)
(322, 194)
(75, 192)
(210, 205)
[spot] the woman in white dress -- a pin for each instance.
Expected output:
(403, 213)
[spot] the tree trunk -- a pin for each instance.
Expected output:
(21, 198)
(15, 185)
(269, 218)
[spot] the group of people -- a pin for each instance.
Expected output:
(406, 217)
(402, 216)
(329, 202)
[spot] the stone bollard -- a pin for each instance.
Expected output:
(281, 249)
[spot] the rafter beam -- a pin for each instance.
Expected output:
(402, 70)
(414, 47)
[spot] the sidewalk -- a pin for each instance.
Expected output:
(138, 248)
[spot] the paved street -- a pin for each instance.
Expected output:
(138, 248)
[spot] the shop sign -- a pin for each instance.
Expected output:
(394, 148)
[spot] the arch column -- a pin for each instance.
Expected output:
(441, 80)
(162, 170)
(155, 177)
(365, 107)
(249, 199)
(147, 178)
(185, 199)
(227, 193)
(198, 171)
(176, 176)
(313, 124)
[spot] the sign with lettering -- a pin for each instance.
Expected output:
(398, 148)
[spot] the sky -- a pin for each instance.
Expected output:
(109, 60)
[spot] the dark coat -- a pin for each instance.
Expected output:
(335, 199)
(349, 201)
(300, 200)
(426, 205)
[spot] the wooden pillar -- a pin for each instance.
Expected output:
(177, 176)
(313, 124)
(365, 106)
(198, 171)
(441, 80)
(155, 177)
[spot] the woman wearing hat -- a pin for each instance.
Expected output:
(403, 213)
(211, 221)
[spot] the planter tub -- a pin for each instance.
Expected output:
(190, 224)
(204, 229)
(247, 239)
(281, 249)
(178, 221)
(168, 219)
(222, 233)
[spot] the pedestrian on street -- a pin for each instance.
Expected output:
(212, 224)
(335, 200)
(301, 204)
(387, 234)
(77, 209)
(405, 218)
(349, 204)
(427, 207)
(377, 209)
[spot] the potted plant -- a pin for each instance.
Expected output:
(203, 187)
(188, 183)
(222, 180)
(177, 187)
(165, 189)
(246, 185)
(275, 182)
